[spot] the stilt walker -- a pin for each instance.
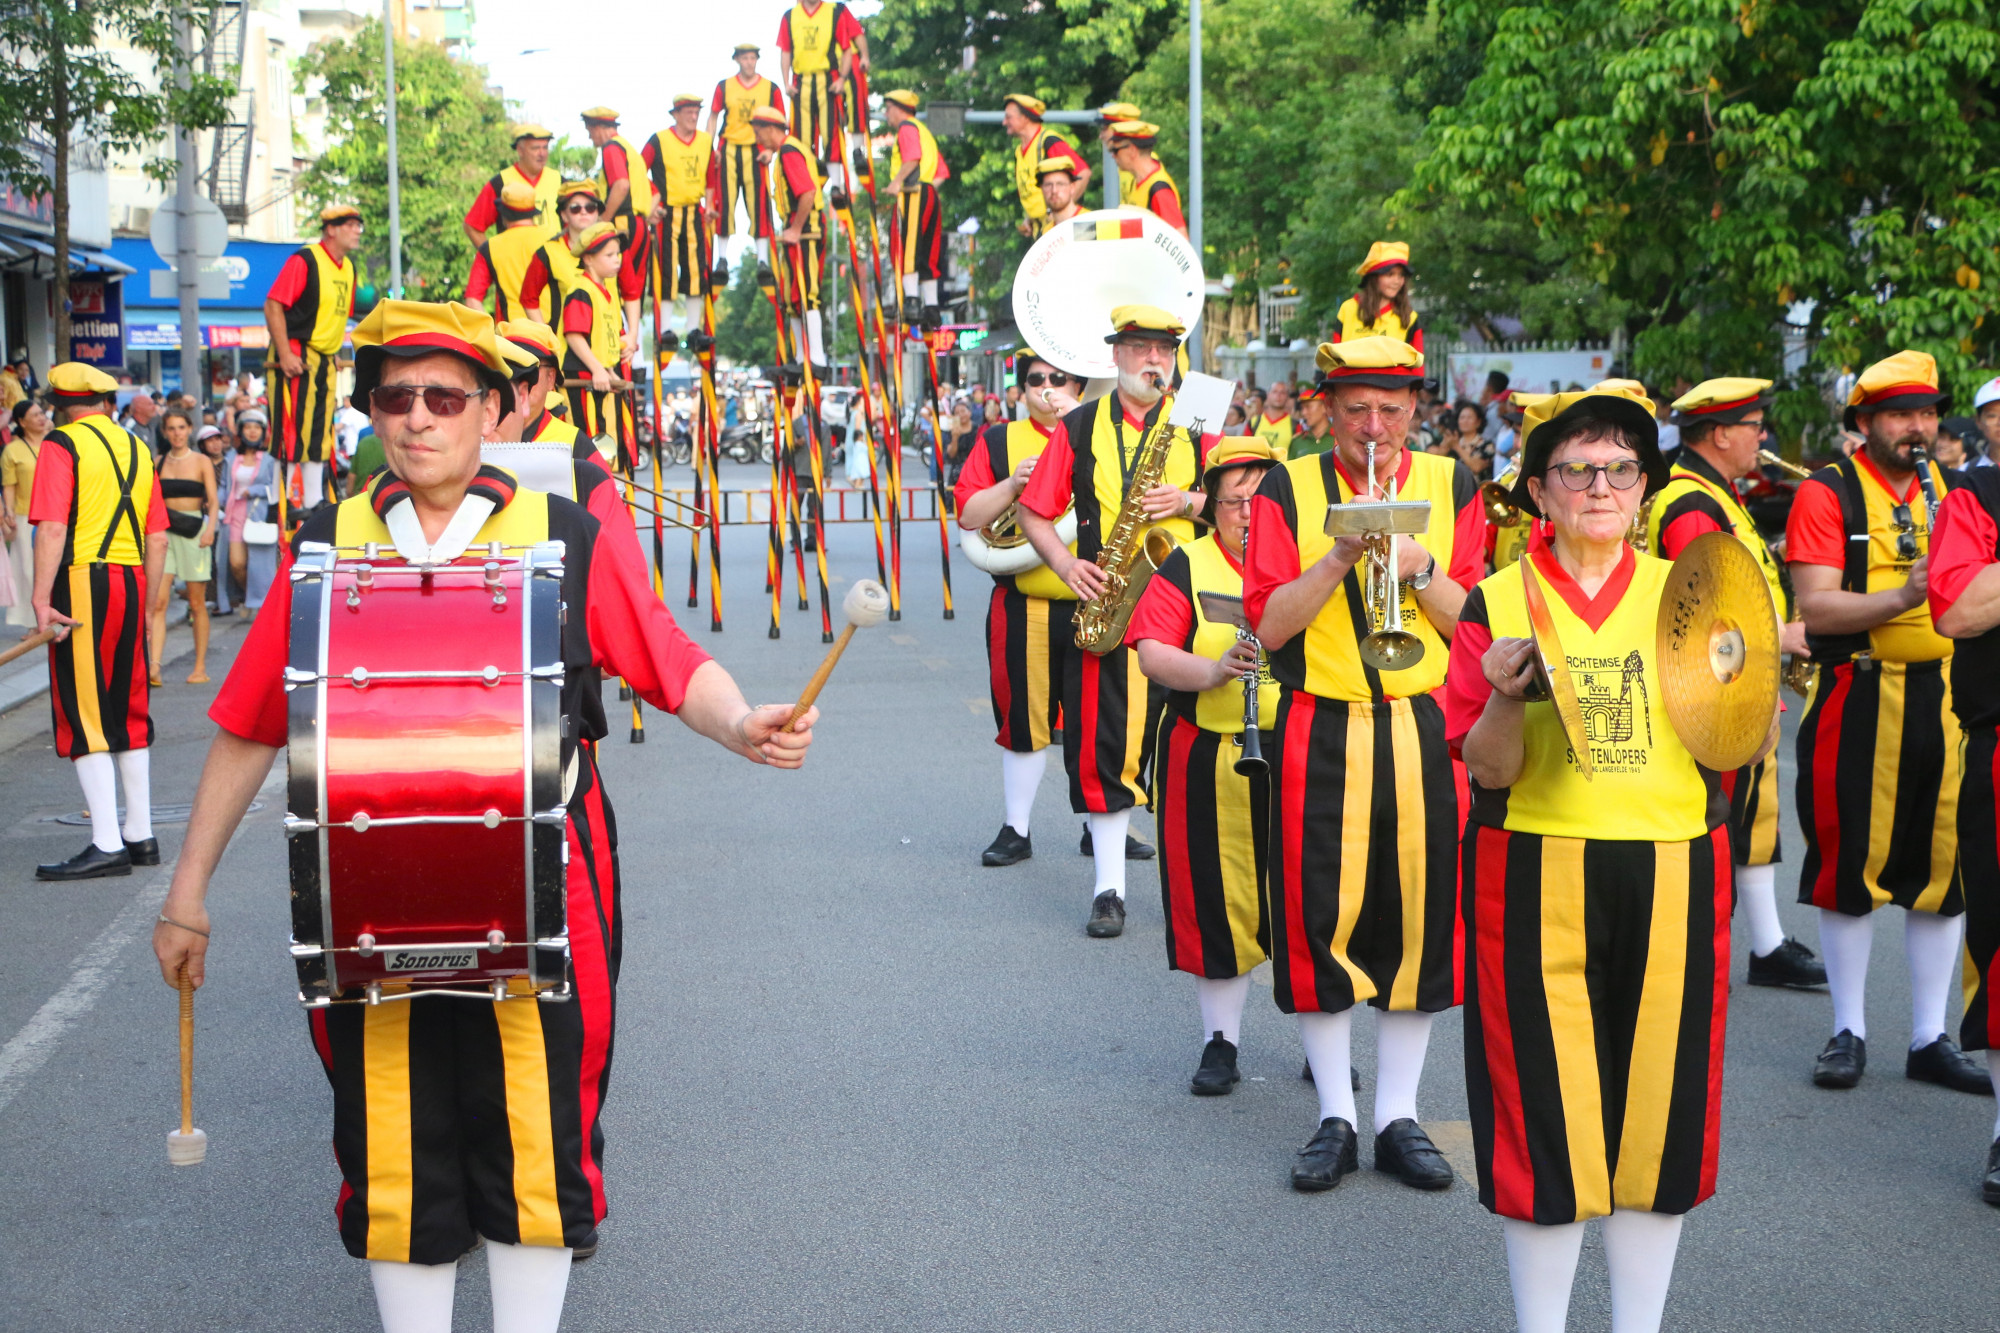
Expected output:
(888, 335)
(306, 314)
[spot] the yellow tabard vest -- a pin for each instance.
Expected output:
(523, 522)
(1683, 481)
(546, 216)
(318, 319)
(927, 153)
(553, 428)
(564, 273)
(509, 253)
(640, 201)
(1221, 709)
(1277, 434)
(1910, 637)
(607, 322)
(1647, 787)
(1026, 184)
(1135, 193)
(105, 530)
(1326, 658)
(1024, 441)
(812, 38)
(782, 199)
(1386, 325)
(737, 104)
(683, 167)
(1100, 473)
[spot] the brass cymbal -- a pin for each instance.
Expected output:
(1717, 648)
(1555, 669)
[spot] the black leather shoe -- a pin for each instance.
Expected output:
(1134, 849)
(1007, 849)
(1989, 1188)
(1841, 1064)
(578, 1254)
(1944, 1064)
(699, 343)
(89, 863)
(1353, 1075)
(1107, 916)
(765, 278)
(1790, 965)
(145, 852)
(1327, 1159)
(719, 279)
(670, 341)
(1217, 1076)
(1404, 1151)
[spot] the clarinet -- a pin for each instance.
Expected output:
(1252, 758)
(1924, 479)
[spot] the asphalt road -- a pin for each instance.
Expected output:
(863, 1083)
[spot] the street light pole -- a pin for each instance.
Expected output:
(1194, 155)
(187, 278)
(395, 193)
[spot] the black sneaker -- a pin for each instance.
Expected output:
(1134, 849)
(1404, 1151)
(1790, 965)
(1217, 1076)
(1007, 849)
(1843, 1061)
(90, 863)
(1989, 1188)
(1107, 916)
(1327, 1159)
(1944, 1064)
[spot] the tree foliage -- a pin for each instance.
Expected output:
(1712, 163)
(451, 134)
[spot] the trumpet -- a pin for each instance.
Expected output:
(1765, 458)
(1390, 648)
(1497, 495)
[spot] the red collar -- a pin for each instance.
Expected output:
(1044, 431)
(1862, 459)
(1158, 167)
(337, 263)
(675, 130)
(1274, 420)
(525, 176)
(1402, 471)
(755, 82)
(1592, 611)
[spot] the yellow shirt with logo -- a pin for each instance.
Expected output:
(927, 153)
(1277, 434)
(738, 103)
(1698, 482)
(683, 166)
(1109, 447)
(1909, 636)
(812, 38)
(1387, 324)
(545, 187)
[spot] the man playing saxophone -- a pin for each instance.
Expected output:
(1364, 806)
(1029, 637)
(1101, 459)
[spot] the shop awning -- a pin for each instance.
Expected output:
(28, 248)
(220, 329)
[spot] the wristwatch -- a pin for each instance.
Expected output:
(1422, 578)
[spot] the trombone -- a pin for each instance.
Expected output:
(1382, 522)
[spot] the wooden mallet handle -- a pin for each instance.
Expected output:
(819, 679)
(32, 642)
(187, 1145)
(617, 385)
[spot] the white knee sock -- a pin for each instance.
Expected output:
(764, 249)
(815, 339)
(1844, 942)
(1931, 944)
(315, 483)
(691, 311)
(1326, 1039)
(413, 1298)
(1993, 1068)
(135, 774)
(529, 1283)
(1400, 1043)
(1222, 1006)
(929, 287)
(99, 778)
(1541, 1266)
(1639, 1250)
(910, 286)
(1020, 778)
(1107, 849)
(1756, 893)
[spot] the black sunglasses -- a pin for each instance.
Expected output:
(584, 208)
(1906, 532)
(397, 399)
(1055, 379)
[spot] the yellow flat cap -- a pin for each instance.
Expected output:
(335, 214)
(1906, 380)
(593, 239)
(1382, 254)
(903, 98)
(74, 379)
(1240, 451)
(528, 129)
(686, 99)
(1029, 103)
(1145, 319)
(518, 197)
(1135, 130)
(1724, 401)
(527, 333)
(1382, 360)
(601, 113)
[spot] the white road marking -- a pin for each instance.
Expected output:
(31, 1047)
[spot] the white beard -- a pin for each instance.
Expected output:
(1136, 389)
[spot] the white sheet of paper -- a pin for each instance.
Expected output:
(1203, 398)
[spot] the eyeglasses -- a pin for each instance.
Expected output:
(1055, 379)
(1359, 412)
(584, 208)
(1622, 475)
(397, 399)
(1240, 503)
(1906, 532)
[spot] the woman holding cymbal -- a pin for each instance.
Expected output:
(1595, 879)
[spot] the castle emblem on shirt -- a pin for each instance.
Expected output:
(1611, 694)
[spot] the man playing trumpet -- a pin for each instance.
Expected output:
(1109, 711)
(1210, 792)
(1364, 805)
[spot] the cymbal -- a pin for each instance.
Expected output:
(1717, 649)
(1555, 669)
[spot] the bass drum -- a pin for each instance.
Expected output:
(1011, 554)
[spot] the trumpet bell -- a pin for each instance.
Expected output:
(1499, 501)
(1392, 650)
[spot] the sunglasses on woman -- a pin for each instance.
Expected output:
(584, 208)
(397, 399)
(1055, 379)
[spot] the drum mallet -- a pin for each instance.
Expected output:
(187, 1145)
(866, 603)
(32, 642)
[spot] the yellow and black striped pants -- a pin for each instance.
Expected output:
(1753, 812)
(1878, 789)
(455, 1118)
(1596, 995)
(743, 182)
(1363, 871)
(603, 420)
(303, 410)
(812, 111)
(799, 282)
(683, 266)
(98, 688)
(1212, 822)
(1028, 643)
(1110, 714)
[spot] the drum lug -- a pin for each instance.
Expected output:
(495, 941)
(557, 816)
(364, 945)
(307, 951)
(359, 677)
(499, 989)
(299, 676)
(296, 827)
(552, 672)
(374, 992)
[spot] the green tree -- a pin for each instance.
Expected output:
(60, 82)
(745, 329)
(1710, 163)
(452, 133)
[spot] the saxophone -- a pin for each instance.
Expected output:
(1133, 548)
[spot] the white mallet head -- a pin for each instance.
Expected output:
(866, 604)
(186, 1149)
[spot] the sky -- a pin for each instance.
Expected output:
(552, 66)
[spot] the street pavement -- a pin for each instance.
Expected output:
(862, 1082)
